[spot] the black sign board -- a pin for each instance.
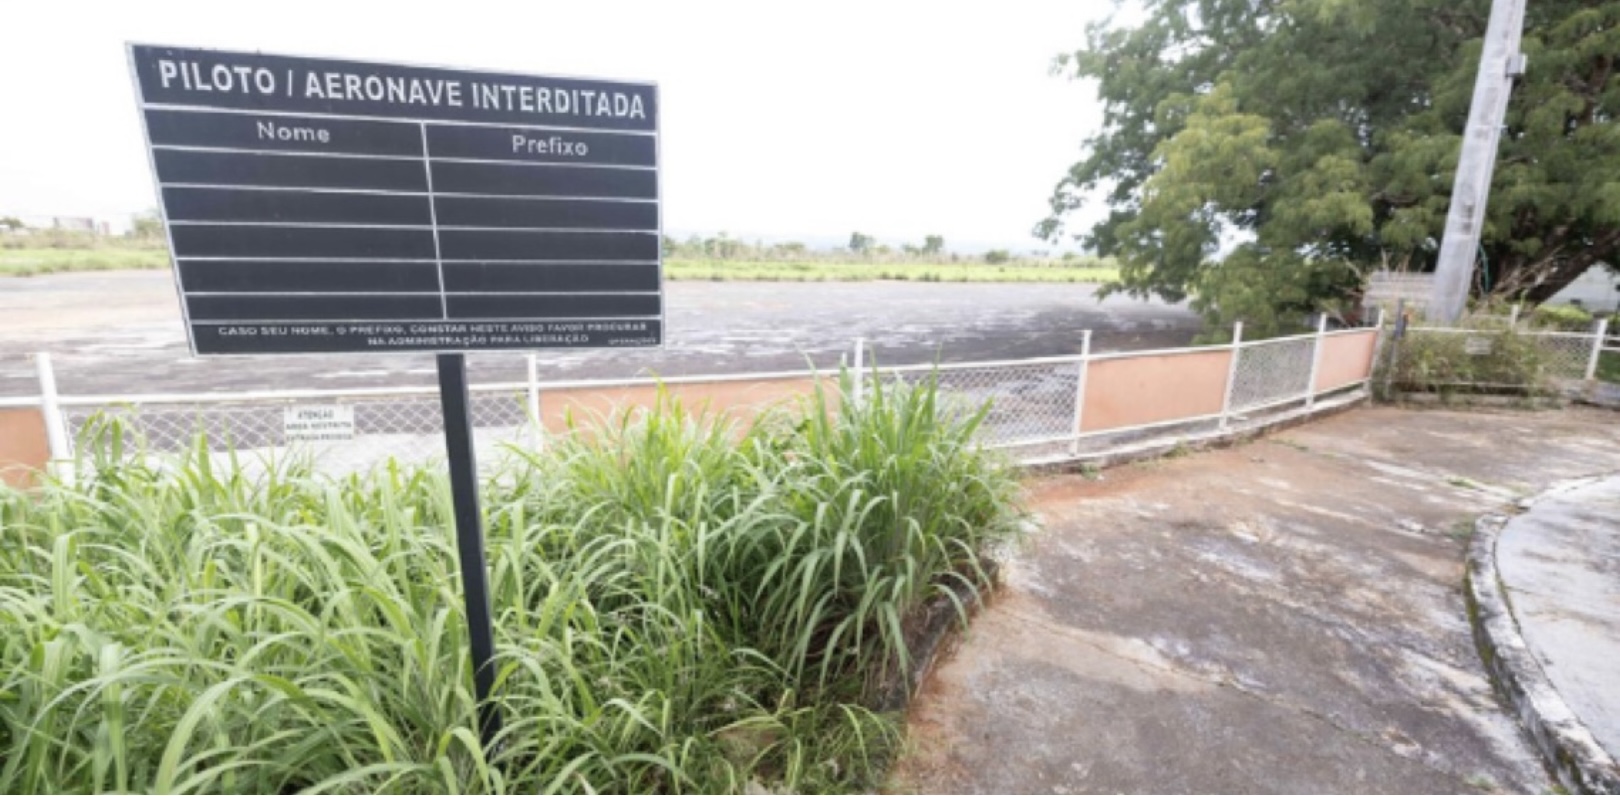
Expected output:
(323, 206)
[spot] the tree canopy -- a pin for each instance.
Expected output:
(860, 242)
(1262, 155)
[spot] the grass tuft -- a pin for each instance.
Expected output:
(683, 603)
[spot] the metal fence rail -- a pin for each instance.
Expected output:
(1041, 409)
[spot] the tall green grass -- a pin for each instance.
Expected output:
(683, 603)
(34, 262)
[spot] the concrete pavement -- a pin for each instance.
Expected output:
(1282, 616)
(1556, 572)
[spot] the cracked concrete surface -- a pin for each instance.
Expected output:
(1282, 616)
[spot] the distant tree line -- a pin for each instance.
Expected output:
(862, 247)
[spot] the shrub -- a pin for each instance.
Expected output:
(1563, 317)
(1480, 361)
(682, 602)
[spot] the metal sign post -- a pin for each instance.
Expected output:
(318, 206)
(458, 442)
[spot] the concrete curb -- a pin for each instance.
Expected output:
(1606, 396)
(938, 627)
(1566, 745)
(1467, 401)
(1163, 447)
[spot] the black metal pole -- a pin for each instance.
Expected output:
(458, 443)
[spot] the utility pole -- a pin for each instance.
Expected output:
(1499, 63)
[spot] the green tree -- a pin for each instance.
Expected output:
(860, 243)
(997, 256)
(722, 246)
(11, 222)
(933, 244)
(1313, 140)
(693, 246)
(146, 225)
(791, 250)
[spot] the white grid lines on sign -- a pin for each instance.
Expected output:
(497, 168)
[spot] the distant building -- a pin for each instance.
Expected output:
(1597, 290)
(81, 224)
(33, 224)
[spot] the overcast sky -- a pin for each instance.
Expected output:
(805, 121)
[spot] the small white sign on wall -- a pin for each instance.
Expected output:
(328, 423)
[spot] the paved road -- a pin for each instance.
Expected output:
(1282, 616)
(120, 332)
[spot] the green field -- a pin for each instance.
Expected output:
(112, 256)
(32, 262)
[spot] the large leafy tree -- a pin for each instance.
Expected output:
(1263, 155)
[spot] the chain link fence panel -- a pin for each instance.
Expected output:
(1554, 356)
(1027, 401)
(1564, 355)
(1272, 371)
(1032, 409)
(408, 428)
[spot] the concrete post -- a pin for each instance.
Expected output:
(1378, 349)
(1499, 63)
(1080, 389)
(50, 408)
(1316, 360)
(1231, 372)
(1597, 348)
(534, 404)
(860, 370)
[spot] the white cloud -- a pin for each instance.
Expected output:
(899, 120)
